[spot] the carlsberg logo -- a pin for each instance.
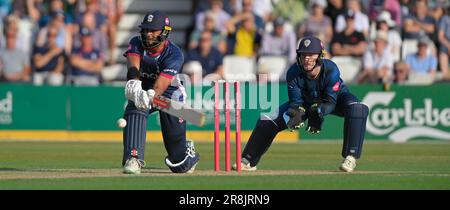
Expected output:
(418, 121)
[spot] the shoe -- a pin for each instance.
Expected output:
(349, 164)
(245, 165)
(133, 166)
(193, 154)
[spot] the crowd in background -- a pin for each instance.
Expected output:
(375, 33)
(57, 41)
(69, 42)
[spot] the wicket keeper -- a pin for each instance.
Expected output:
(315, 90)
(153, 63)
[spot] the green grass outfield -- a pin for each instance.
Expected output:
(303, 165)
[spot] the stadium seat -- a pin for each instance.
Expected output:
(274, 66)
(348, 67)
(410, 46)
(239, 68)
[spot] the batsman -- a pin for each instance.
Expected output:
(315, 90)
(153, 63)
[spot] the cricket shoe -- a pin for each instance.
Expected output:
(193, 154)
(133, 166)
(245, 165)
(349, 164)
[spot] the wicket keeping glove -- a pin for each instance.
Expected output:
(134, 92)
(315, 119)
(296, 118)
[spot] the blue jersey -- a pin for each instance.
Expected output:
(167, 63)
(324, 89)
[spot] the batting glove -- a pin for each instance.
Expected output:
(134, 92)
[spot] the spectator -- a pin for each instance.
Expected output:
(437, 12)
(376, 7)
(292, 10)
(263, 9)
(406, 8)
(218, 40)
(349, 42)
(361, 23)
(444, 43)
(243, 39)
(16, 63)
(279, 42)
(335, 8)
(377, 62)
(54, 7)
(48, 61)
(209, 56)
(386, 24)
(247, 8)
(113, 10)
(100, 39)
(422, 62)
(87, 62)
(317, 23)
(401, 72)
(419, 23)
(220, 16)
(28, 13)
(64, 38)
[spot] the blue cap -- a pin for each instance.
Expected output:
(156, 20)
(310, 44)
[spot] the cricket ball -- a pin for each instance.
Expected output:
(121, 123)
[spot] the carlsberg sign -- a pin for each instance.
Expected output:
(413, 119)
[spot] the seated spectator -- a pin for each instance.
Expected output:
(444, 45)
(220, 16)
(419, 23)
(247, 7)
(243, 39)
(54, 7)
(113, 10)
(292, 10)
(335, 8)
(422, 62)
(393, 7)
(87, 62)
(48, 61)
(401, 72)
(361, 23)
(218, 40)
(209, 57)
(317, 23)
(349, 42)
(279, 42)
(15, 62)
(386, 24)
(64, 38)
(377, 62)
(100, 39)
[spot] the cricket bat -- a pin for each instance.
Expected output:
(178, 109)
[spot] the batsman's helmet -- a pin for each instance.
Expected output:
(156, 20)
(310, 45)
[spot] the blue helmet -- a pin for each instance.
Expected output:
(156, 20)
(310, 45)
